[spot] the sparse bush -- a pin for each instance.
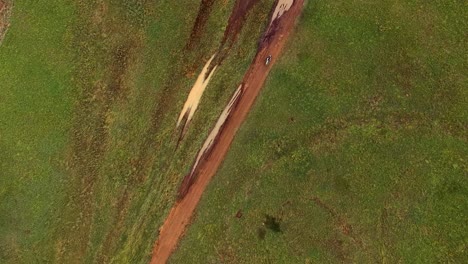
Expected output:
(272, 223)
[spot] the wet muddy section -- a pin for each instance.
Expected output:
(218, 142)
(235, 24)
(282, 6)
(236, 20)
(5, 13)
(195, 95)
(205, 151)
(238, 14)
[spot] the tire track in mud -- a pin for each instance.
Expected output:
(89, 133)
(204, 169)
(236, 20)
(200, 23)
(208, 144)
(143, 162)
(235, 24)
(144, 158)
(89, 145)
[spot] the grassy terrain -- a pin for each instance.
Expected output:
(90, 94)
(357, 145)
(34, 106)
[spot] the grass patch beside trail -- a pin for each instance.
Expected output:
(35, 107)
(357, 145)
(90, 95)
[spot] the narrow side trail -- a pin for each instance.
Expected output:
(271, 43)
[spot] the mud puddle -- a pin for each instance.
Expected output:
(205, 150)
(218, 143)
(281, 8)
(195, 95)
(222, 118)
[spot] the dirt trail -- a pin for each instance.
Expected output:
(236, 21)
(180, 215)
(207, 146)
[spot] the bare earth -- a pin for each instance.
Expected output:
(181, 214)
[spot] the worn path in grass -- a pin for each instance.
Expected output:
(5, 10)
(272, 43)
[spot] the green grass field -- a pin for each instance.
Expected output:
(357, 145)
(90, 92)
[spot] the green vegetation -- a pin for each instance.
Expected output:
(35, 105)
(90, 95)
(357, 145)
(355, 152)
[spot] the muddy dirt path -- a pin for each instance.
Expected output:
(205, 151)
(181, 214)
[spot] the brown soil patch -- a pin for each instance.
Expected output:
(207, 146)
(200, 23)
(5, 12)
(181, 213)
(236, 19)
(90, 132)
(235, 24)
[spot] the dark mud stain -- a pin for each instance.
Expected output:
(239, 214)
(272, 29)
(90, 131)
(190, 178)
(200, 23)
(236, 20)
(235, 24)
(184, 128)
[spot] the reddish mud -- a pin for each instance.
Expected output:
(236, 19)
(181, 214)
(207, 146)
